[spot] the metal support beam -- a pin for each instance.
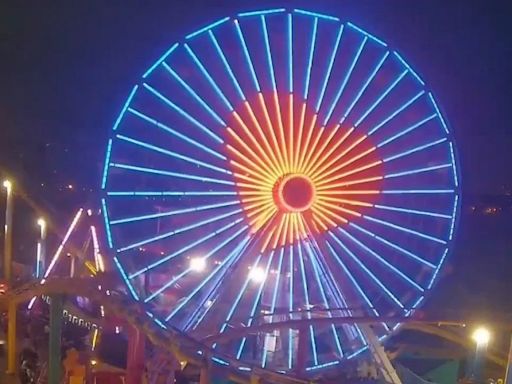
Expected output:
(54, 358)
(136, 351)
(11, 338)
(8, 232)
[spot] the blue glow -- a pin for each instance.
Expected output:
(452, 225)
(219, 361)
(265, 12)
(324, 365)
(174, 212)
(247, 56)
(209, 26)
(413, 211)
(269, 54)
(226, 65)
(179, 230)
(167, 285)
(367, 34)
(454, 167)
(255, 303)
(306, 296)
(404, 229)
(314, 263)
(418, 170)
(409, 68)
(414, 150)
(208, 77)
(329, 69)
(274, 300)
(393, 245)
(171, 193)
(417, 191)
(290, 308)
(107, 223)
(105, 166)
(184, 249)
(244, 369)
(123, 275)
(364, 268)
(345, 81)
(159, 61)
(177, 134)
(290, 54)
(365, 85)
(441, 262)
(390, 117)
(173, 154)
(381, 97)
(434, 104)
(194, 95)
(383, 261)
(226, 262)
(183, 113)
(310, 59)
(159, 323)
(315, 14)
(125, 107)
(174, 174)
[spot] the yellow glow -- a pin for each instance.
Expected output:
(481, 336)
(326, 156)
(7, 185)
(299, 137)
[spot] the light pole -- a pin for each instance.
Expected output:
(41, 247)
(481, 336)
(7, 184)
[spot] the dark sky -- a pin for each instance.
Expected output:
(66, 67)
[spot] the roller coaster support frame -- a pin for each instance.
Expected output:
(54, 357)
(11, 338)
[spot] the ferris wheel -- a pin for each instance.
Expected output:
(280, 166)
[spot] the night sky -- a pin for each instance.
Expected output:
(67, 67)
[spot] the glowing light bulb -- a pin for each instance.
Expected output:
(257, 275)
(481, 336)
(198, 264)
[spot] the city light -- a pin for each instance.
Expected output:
(7, 185)
(257, 274)
(198, 264)
(481, 336)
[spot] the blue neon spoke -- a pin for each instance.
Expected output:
(393, 245)
(160, 60)
(176, 155)
(364, 87)
(105, 165)
(185, 248)
(380, 98)
(180, 230)
(413, 211)
(414, 150)
(175, 279)
(125, 107)
(395, 113)
(316, 14)
(439, 115)
(329, 69)
(383, 261)
(368, 272)
(405, 229)
(345, 80)
(222, 266)
(107, 223)
(255, 303)
(247, 56)
(454, 167)
(194, 94)
(274, 300)
(176, 133)
(268, 52)
(170, 193)
(206, 74)
(397, 55)
(265, 12)
(306, 297)
(406, 130)
(207, 28)
(310, 59)
(125, 278)
(174, 212)
(418, 170)
(290, 308)
(183, 113)
(226, 65)
(290, 53)
(173, 174)
(436, 272)
(452, 225)
(378, 41)
(416, 191)
(324, 297)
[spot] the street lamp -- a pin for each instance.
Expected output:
(7, 184)
(198, 264)
(41, 247)
(481, 337)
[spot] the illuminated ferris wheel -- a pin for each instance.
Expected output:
(280, 166)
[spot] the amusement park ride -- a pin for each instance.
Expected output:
(280, 192)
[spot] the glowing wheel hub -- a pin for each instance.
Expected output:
(294, 193)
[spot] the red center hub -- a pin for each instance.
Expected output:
(294, 193)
